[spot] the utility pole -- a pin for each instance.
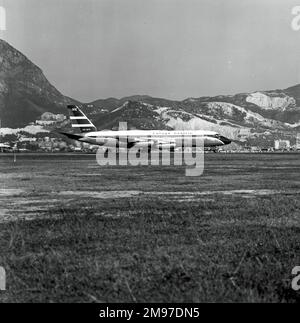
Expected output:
(0, 131)
(0, 135)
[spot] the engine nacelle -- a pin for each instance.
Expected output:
(144, 144)
(111, 142)
(169, 145)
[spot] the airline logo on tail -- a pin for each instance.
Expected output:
(80, 120)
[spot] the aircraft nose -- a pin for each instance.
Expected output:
(225, 140)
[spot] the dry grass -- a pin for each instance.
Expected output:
(150, 248)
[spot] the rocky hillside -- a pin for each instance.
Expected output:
(249, 118)
(255, 118)
(25, 93)
(279, 109)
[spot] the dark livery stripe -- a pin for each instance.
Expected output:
(82, 121)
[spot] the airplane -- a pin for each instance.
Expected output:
(141, 139)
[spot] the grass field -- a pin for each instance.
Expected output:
(71, 230)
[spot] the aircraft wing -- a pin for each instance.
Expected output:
(145, 141)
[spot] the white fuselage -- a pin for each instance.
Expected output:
(153, 138)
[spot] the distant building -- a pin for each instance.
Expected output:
(44, 122)
(27, 139)
(298, 141)
(77, 149)
(282, 144)
(255, 149)
(245, 132)
(48, 116)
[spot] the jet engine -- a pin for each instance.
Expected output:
(112, 142)
(144, 144)
(166, 145)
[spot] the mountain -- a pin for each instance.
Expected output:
(25, 93)
(279, 109)
(138, 115)
(255, 118)
(269, 108)
(113, 103)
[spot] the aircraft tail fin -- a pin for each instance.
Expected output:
(80, 120)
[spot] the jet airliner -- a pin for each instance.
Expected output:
(141, 139)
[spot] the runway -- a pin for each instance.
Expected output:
(112, 224)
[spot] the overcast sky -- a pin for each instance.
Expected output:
(92, 49)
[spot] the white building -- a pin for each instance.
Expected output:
(298, 141)
(282, 144)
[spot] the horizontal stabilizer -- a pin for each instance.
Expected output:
(71, 135)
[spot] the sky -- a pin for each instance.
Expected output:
(92, 49)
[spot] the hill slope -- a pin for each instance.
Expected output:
(252, 118)
(25, 93)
